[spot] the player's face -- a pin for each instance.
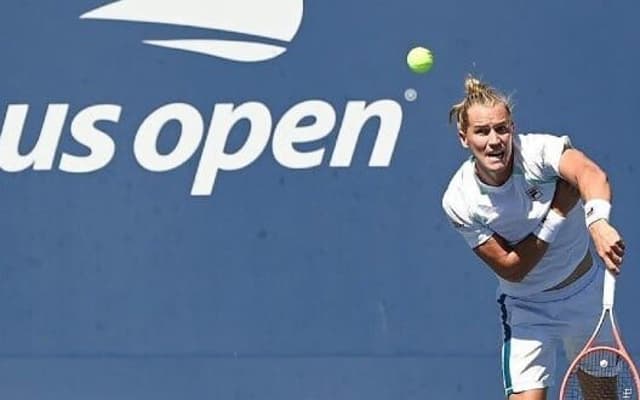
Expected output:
(489, 137)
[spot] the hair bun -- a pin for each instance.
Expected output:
(477, 92)
(473, 85)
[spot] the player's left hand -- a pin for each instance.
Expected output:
(608, 244)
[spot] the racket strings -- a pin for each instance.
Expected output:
(601, 375)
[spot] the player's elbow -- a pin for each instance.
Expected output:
(512, 270)
(598, 173)
(591, 173)
(509, 264)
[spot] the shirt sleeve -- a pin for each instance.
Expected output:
(551, 148)
(473, 232)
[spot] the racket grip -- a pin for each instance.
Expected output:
(609, 289)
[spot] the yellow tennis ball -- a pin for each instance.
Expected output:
(420, 60)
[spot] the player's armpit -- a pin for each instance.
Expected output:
(511, 263)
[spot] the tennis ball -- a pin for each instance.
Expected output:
(420, 60)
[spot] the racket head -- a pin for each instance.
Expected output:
(601, 373)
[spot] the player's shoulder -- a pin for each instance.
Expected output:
(534, 146)
(536, 140)
(460, 187)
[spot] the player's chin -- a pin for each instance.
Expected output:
(494, 165)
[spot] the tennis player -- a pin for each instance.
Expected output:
(514, 201)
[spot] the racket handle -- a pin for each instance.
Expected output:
(609, 289)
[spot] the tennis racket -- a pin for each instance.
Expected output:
(602, 372)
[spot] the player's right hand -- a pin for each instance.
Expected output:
(608, 244)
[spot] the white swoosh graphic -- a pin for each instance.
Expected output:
(231, 50)
(272, 19)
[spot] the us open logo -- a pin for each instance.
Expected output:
(261, 21)
(204, 133)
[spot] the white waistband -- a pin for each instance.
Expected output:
(557, 295)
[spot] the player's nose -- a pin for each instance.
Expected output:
(494, 138)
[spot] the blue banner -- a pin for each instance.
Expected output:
(241, 199)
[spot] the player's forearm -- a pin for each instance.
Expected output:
(520, 259)
(514, 262)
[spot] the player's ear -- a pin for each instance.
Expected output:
(463, 139)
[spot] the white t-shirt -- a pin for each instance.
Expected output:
(514, 209)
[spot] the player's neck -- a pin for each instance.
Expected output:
(494, 178)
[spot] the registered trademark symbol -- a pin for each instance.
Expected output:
(410, 94)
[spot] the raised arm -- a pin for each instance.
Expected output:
(593, 185)
(513, 263)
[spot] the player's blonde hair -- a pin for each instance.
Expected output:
(477, 92)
